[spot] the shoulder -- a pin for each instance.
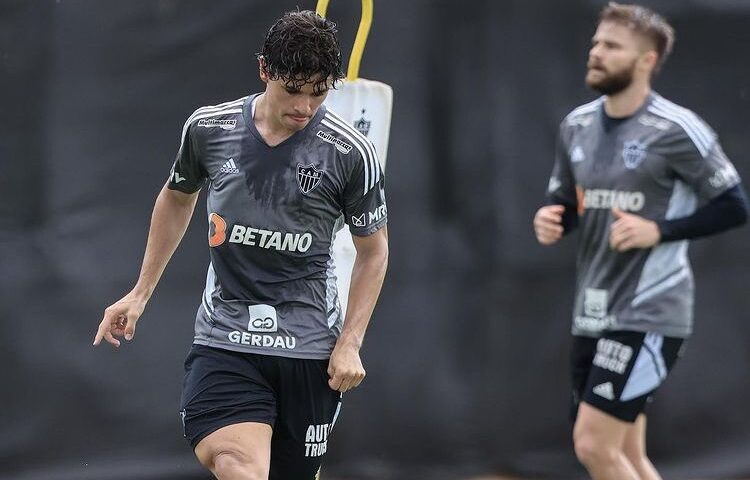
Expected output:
(683, 124)
(356, 151)
(583, 115)
(348, 140)
(222, 115)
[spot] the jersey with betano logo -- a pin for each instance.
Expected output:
(273, 213)
(660, 163)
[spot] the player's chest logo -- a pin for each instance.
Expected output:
(308, 177)
(633, 154)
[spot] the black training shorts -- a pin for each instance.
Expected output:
(619, 372)
(223, 387)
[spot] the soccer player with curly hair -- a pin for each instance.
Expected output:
(272, 351)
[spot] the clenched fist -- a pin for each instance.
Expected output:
(548, 224)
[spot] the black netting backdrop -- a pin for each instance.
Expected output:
(467, 351)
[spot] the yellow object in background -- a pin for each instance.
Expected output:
(366, 105)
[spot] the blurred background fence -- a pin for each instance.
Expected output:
(467, 351)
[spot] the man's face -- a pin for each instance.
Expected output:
(613, 58)
(291, 107)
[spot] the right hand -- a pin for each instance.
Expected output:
(548, 224)
(120, 319)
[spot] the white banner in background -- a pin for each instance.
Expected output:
(366, 105)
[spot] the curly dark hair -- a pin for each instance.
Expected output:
(302, 45)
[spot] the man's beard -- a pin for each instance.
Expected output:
(613, 83)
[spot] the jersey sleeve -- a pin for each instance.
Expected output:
(188, 174)
(562, 185)
(696, 157)
(365, 209)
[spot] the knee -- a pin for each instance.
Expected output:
(230, 465)
(593, 452)
(635, 454)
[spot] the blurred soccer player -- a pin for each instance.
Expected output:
(271, 354)
(639, 176)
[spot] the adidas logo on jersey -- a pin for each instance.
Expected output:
(605, 390)
(229, 167)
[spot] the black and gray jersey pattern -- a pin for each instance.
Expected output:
(660, 163)
(273, 213)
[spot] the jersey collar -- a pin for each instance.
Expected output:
(248, 108)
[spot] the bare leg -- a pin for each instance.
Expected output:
(635, 450)
(599, 439)
(237, 452)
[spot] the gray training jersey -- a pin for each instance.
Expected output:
(660, 163)
(273, 213)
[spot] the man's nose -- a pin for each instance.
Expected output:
(595, 52)
(303, 105)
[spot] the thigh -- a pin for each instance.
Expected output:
(635, 441)
(600, 428)
(223, 388)
(627, 369)
(582, 353)
(249, 444)
(307, 412)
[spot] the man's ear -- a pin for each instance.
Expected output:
(650, 59)
(262, 69)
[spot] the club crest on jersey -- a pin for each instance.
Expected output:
(633, 154)
(308, 177)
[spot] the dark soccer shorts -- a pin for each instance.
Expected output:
(223, 387)
(619, 372)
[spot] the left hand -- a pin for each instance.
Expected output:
(631, 231)
(345, 368)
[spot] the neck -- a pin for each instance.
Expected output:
(265, 121)
(272, 131)
(628, 101)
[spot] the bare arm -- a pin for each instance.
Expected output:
(169, 220)
(345, 367)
